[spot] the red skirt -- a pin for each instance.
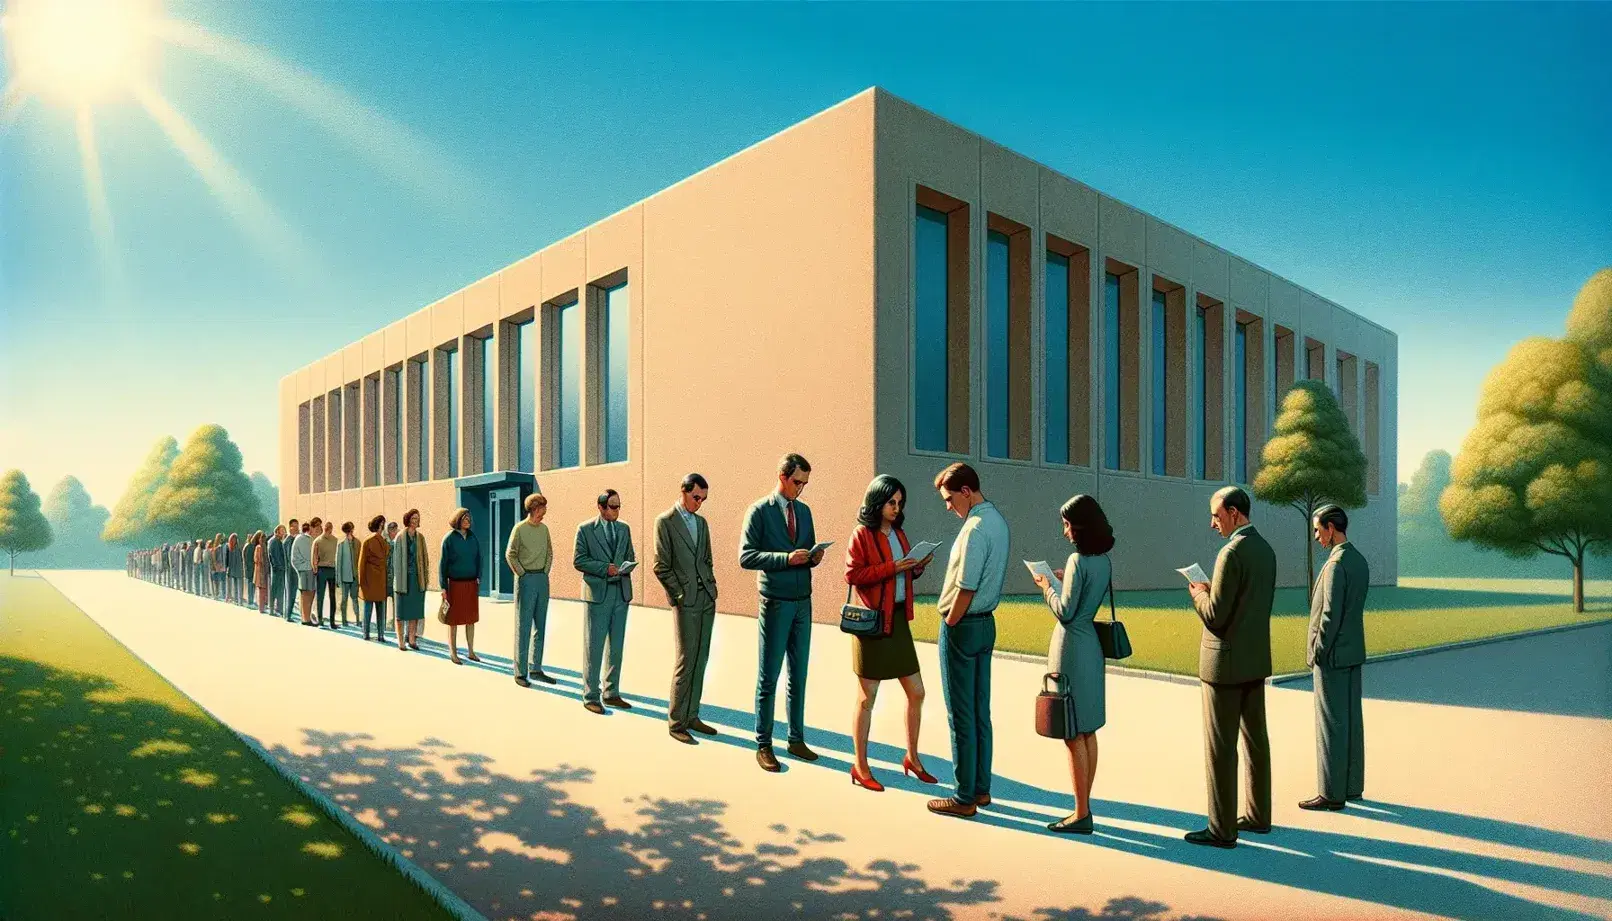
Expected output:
(462, 601)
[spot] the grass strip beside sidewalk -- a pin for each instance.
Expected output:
(121, 799)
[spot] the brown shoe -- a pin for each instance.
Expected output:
(617, 702)
(520, 680)
(949, 806)
(1321, 804)
(799, 750)
(982, 800)
(767, 760)
(593, 706)
(682, 735)
(1244, 823)
(698, 725)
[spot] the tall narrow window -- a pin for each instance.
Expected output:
(1112, 421)
(1315, 358)
(568, 436)
(996, 344)
(1007, 339)
(319, 435)
(1349, 389)
(333, 440)
(617, 317)
(394, 422)
(1370, 443)
(422, 460)
(930, 356)
(372, 429)
(304, 449)
(1282, 380)
(489, 415)
(1161, 405)
(525, 352)
(1200, 407)
(1208, 377)
(1239, 404)
(1056, 360)
(450, 375)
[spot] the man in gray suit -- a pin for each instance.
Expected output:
(684, 567)
(603, 546)
(1234, 659)
(1337, 650)
(279, 560)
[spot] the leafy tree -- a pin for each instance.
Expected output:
(206, 492)
(268, 498)
(76, 523)
(1535, 474)
(1312, 459)
(129, 517)
(23, 529)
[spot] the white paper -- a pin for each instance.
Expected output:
(921, 549)
(1040, 567)
(624, 568)
(822, 546)
(1194, 573)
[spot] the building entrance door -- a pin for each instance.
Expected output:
(505, 508)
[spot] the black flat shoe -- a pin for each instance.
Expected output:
(1321, 804)
(1069, 825)
(1246, 824)
(543, 677)
(1207, 837)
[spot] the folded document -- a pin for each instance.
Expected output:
(1194, 573)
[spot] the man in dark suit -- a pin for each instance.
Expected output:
(684, 567)
(1234, 659)
(603, 545)
(776, 541)
(1337, 650)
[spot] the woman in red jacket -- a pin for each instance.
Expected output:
(882, 578)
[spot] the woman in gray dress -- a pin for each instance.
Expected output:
(1074, 653)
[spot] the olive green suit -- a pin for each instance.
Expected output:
(1337, 651)
(1234, 659)
(684, 566)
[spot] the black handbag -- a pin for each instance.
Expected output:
(1055, 709)
(1111, 633)
(860, 621)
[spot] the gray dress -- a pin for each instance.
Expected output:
(1075, 652)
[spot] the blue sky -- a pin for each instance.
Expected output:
(1438, 168)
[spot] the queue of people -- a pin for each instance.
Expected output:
(301, 564)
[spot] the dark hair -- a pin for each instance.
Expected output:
(316, 521)
(882, 490)
(306, 527)
(1233, 498)
(1093, 535)
(291, 521)
(958, 477)
(792, 462)
(347, 527)
(411, 513)
(375, 523)
(604, 497)
(1334, 516)
(694, 481)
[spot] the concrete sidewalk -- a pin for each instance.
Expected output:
(528, 806)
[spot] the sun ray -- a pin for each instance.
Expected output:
(391, 146)
(95, 192)
(240, 197)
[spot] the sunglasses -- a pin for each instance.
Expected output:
(696, 498)
(614, 508)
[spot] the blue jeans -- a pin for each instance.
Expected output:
(531, 622)
(965, 680)
(785, 631)
(290, 593)
(326, 578)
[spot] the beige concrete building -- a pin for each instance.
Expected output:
(883, 292)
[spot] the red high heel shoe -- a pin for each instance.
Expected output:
(907, 767)
(866, 783)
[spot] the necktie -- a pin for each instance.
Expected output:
(790, 517)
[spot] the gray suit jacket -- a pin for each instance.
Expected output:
(682, 563)
(595, 555)
(1338, 610)
(1236, 614)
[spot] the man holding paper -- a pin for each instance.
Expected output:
(779, 543)
(604, 555)
(1233, 662)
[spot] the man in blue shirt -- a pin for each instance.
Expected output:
(968, 599)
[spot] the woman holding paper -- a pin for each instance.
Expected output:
(1074, 652)
(880, 569)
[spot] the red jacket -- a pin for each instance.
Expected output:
(871, 570)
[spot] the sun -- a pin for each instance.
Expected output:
(79, 52)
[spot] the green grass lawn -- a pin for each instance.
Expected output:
(1414, 615)
(121, 799)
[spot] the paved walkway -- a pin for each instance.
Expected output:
(530, 807)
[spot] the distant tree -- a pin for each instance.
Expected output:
(268, 498)
(129, 520)
(23, 528)
(206, 492)
(1535, 474)
(1312, 459)
(76, 523)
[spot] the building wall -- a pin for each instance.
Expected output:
(751, 336)
(1161, 521)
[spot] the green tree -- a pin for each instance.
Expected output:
(206, 492)
(1312, 459)
(76, 523)
(129, 520)
(1535, 474)
(268, 498)
(23, 528)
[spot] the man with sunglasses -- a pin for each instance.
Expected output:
(776, 542)
(684, 567)
(603, 547)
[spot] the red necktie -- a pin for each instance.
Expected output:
(791, 517)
